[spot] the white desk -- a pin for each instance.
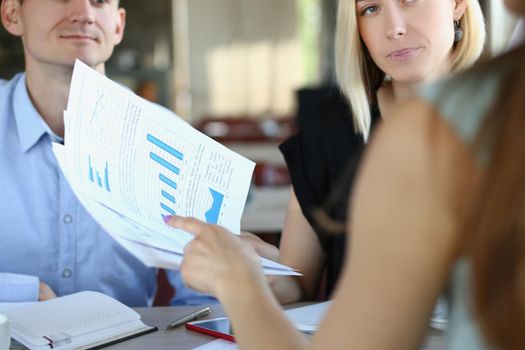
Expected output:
(181, 338)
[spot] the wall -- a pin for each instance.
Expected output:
(244, 57)
(501, 25)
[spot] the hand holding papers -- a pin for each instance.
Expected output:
(130, 161)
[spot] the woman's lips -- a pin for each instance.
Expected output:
(403, 54)
(78, 37)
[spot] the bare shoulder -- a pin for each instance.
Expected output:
(423, 157)
(415, 134)
(404, 228)
(413, 121)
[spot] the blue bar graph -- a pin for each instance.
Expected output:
(167, 162)
(167, 181)
(212, 215)
(168, 196)
(106, 177)
(165, 147)
(91, 176)
(164, 163)
(168, 209)
(94, 176)
(99, 180)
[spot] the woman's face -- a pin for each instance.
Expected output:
(410, 40)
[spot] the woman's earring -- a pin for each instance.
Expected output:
(458, 32)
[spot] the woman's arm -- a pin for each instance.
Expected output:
(404, 239)
(405, 212)
(218, 262)
(300, 249)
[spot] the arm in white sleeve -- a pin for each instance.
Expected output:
(18, 288)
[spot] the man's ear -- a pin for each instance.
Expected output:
(11, 19)
(121, 25)
(460, 6)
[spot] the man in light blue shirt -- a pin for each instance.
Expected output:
(49, 245)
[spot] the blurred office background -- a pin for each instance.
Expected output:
(233, 68)
(231, 58)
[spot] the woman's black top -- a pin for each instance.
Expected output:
(325, 147)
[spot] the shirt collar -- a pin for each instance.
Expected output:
(31, 127)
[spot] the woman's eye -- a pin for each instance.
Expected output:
(369, 10)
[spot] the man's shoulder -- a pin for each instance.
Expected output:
(8, 86)
(7, 96)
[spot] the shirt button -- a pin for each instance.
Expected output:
(66, 273)
(68, 218)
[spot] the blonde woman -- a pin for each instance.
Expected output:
(384, 49)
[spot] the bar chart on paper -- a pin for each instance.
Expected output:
(209, 203)
(129, 161)
(212, 214)
(167, 157)
(170, 159)
(99, 177)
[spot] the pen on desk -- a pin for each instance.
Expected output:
(190, 317)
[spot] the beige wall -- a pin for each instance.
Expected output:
(244, 57)
(501, 26)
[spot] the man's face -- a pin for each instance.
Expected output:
(59, 31)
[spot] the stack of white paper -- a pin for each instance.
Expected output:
(130, 161)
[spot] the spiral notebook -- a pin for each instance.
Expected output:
(85, 320)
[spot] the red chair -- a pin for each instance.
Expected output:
(165, 291)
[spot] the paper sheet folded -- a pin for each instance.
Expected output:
(130, 161)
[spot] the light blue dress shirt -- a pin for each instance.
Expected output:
(45, 233)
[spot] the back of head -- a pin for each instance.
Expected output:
(496, 226)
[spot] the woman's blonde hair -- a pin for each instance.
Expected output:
(360, 78)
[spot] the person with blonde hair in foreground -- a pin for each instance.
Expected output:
(450, 209)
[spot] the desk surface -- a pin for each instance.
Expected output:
(181, 338)
(178, 338)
